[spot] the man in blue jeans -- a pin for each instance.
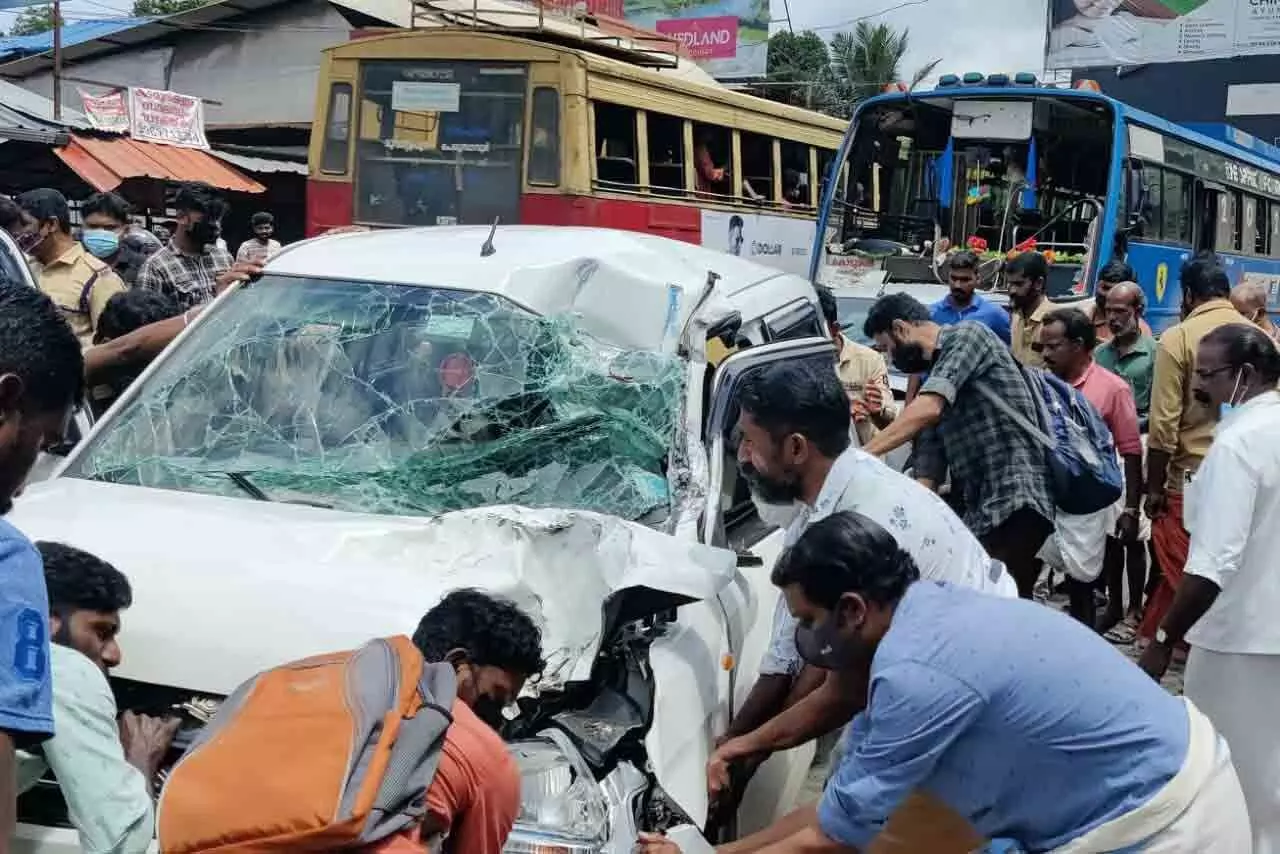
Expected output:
(41, 379)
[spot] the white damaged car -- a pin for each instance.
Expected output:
(384, 417)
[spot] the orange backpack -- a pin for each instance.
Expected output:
(332, 752)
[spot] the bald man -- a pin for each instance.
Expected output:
(1250, 299)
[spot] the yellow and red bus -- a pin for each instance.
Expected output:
(464, 125)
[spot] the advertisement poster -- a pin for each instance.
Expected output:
(775, 241)
(108, 113)
(728, 38)
(167, 118)
(1090, 33)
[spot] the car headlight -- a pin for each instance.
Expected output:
(563, 810)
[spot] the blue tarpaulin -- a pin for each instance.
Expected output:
(14, 47)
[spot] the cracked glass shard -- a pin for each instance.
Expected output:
(398, 400)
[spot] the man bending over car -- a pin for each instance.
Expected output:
(106, 770)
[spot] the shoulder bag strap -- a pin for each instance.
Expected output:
(86, 291)
(1032, 430)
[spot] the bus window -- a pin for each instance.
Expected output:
(544, 144)
(757, 167)
(337, 131)
(440, 143)
(1237, 202)
(616, 145)
(712, 159)
(1152, 212)
(796, 186)
(1226, 237)
(1274, 244)
(825, 159)
(1176, 225)
(666, 154)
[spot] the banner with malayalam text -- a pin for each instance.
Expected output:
(109, 113)
(168, 118)
(1093, 33)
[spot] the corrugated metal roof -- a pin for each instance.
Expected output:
(265, 165)
(106, 163)
(24, 109)
(12, 47)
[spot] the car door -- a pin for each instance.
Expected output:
(705, 663)
(14, 270)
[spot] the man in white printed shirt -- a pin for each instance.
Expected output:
(796, 447)
(1229, 599)
(105, 769)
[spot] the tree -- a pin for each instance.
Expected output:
(164, 8)
(33, 20)
(865, 61)
(801, 59)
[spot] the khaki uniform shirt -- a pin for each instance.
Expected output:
(1179, 425)
(80, 286)
(1026, 335)
(859, 367)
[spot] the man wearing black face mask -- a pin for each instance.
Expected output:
(973, 699)
(997, 471)
(193, 268)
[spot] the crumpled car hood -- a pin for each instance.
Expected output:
(224, 588)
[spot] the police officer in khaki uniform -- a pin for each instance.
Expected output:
(78, 283)
(863, 373)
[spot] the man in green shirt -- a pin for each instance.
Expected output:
(1131, 353)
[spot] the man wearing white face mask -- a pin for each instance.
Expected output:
(795, 448)
(1227, 603)
(79, 284)
(111, 237)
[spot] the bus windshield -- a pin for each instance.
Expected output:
(440, 142)
(946, 170)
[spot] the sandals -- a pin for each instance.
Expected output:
(1124, 632)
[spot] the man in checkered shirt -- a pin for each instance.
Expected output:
(192, 269)
(997, 471)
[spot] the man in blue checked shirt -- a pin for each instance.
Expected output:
(41, 379)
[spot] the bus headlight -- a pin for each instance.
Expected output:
(563, 810)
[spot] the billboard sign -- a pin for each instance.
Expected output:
(168, 118)
(1093, 33)
(728, 38)
(109, 113)
(780, 242)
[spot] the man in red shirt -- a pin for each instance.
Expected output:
(474, 798)
(1068, 339)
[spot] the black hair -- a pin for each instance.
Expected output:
(890, 308)
(201, 199)
(79, 581)
(1076, 326)
(493, 631)
(38, 346)
(1246, 344)
(1116, 272)
(827, 300)
(262, 218)
(800, 396)
(964, 260)
(45, 204)
(736, 221)
(134, 309)
(112, 205)
(847, 553)
(1030, 264)
(1202, 278)
(10, 215)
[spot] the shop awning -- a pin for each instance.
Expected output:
(105, 163)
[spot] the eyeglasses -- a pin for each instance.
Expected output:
(1203, 374)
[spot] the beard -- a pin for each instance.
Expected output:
(771, 490)
(910, 358)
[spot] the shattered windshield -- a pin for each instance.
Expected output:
(401, 400)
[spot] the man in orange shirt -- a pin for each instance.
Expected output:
(474, 798)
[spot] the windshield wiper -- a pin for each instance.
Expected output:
(251, 489)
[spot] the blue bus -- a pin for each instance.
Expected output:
(1000, 161)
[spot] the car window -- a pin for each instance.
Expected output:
(401, 400)
(852, 312)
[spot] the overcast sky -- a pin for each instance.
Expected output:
(967, 35)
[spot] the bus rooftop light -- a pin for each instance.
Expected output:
(948, 80)
(1088, 86)
(974, 78)
(997, 79)
(1025, 78)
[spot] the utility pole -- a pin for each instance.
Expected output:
(57, 60)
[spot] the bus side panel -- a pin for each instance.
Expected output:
(1157, 267)
(329, 205)
(678, 222)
